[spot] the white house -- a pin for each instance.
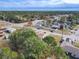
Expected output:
(38, 23)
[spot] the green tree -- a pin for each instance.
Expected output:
(60, 53)
(7, 53)
(50, 40)
(25, 42)
(57, 51)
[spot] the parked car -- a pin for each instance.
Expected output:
(9, 30)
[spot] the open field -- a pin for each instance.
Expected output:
(3, 43)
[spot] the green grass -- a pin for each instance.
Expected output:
(76, 44)
(65, 31)
(76, 27)
(57, 38)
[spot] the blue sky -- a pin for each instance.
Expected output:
(69, 5)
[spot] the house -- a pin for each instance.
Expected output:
(1, 32)
(2, 28)
(55, 26)
(38, 23)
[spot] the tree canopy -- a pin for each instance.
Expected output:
(57, 51)
(50, 40)
(26, 41)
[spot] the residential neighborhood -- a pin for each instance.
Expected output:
(63, 27)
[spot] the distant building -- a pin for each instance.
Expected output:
(1, 32)
(38, 23)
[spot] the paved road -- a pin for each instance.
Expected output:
(68, 47)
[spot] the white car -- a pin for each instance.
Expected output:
(10, 30)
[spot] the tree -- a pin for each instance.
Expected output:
(1, 17)
(57, 51)
(60, 53)
(7, 53)
(18, 38)
(27, 43)
(63, 19)
(50, 40)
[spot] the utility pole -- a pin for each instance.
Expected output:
(61, 28)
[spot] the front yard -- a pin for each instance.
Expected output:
(3, 43)
(76, 44)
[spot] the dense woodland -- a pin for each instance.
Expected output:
(22, 16)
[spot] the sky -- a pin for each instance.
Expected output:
(26, 5)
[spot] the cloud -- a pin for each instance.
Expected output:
(71, 1)
(39, 4)
(30, 3)
(45, 3)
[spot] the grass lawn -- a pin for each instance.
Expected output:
(3, 44)
(65, 31)
(76, 44)
(57, 38)
(76, 27)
